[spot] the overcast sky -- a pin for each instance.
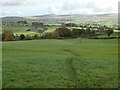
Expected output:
(60, 7)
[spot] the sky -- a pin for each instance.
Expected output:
(59, 7)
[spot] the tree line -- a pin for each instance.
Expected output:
(59, 33)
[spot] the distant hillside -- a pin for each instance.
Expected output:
(107, 19)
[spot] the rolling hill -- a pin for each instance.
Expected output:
(107, 19)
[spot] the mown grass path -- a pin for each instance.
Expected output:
(72, 72)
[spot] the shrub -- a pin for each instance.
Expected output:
(8, 36)
(28, 37)
(22, 36)
(77, 32)
(63, 32)
(70, 24)
(109, 32)
(36, 37)
(53, 35)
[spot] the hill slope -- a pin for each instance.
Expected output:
(107, 19)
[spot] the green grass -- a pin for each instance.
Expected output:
(20, 30)
(15, 29)
(60, 63)
(50, 29)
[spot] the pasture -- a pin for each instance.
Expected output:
(22, 30)
(81, 63)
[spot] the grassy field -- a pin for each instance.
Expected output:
(51, 29)
(15, 29)
(60, 63)
(22, 30)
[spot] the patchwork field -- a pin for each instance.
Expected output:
(22, 30)
(60, 63)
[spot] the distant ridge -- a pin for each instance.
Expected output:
(109, 18)
(46, 15)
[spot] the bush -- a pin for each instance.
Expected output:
(53, 35)
(70, 24)
(63, 32)
(77, 32)
(36, 37)
(8, 36)
(109, 32)
(28, 37)
(22, 36)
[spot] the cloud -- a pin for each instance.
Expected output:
(10, 2)
(6, 12)
(25, 2)
(10, 13)
(17, 2)
(41, 7)
(19, 13)
(87, 8)
(53, 10)
(70, 5)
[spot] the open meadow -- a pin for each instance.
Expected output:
(60, 51)
(62, 63)
(64, 44)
